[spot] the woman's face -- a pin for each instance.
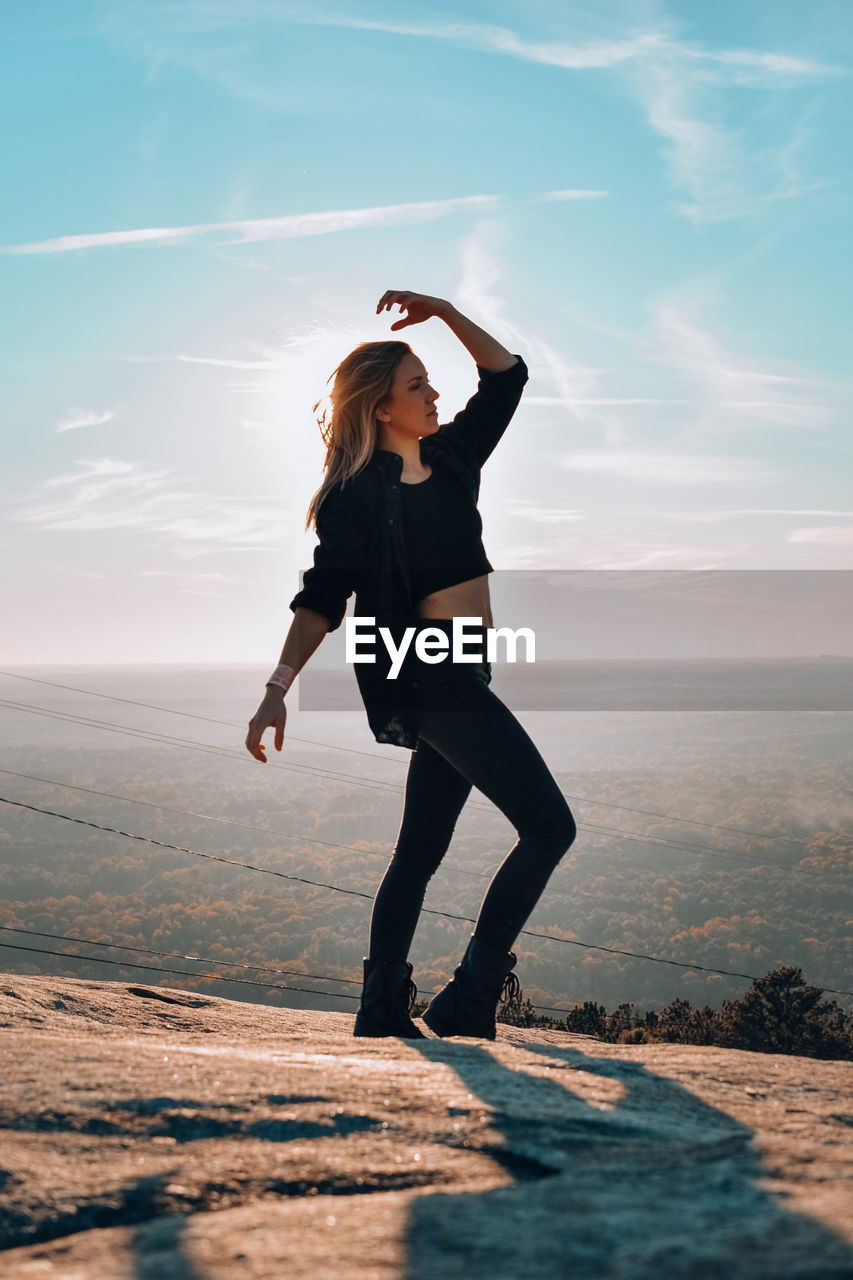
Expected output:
(411, 409)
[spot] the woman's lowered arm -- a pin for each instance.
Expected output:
(486, 350)
(305, 635)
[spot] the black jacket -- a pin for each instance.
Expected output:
(361, 546)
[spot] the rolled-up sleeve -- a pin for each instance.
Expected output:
(488, 413)
(344, 540)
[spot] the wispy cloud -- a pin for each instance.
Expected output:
(76, 418)
(667, 468)
(544, 515)
(726, 380)
(572, 193)
(271, 360)
(725, 173)
(835, 535)
(176, 23)
(712, 515)
(106, 494)
(588, 55)
(574, 401)
(477, 293)
(723, 390)
(197, 584)
(286, 227)
(487, 38)
(680, 86)
(654, 555)
(605, 549)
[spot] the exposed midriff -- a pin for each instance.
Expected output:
(465, 599)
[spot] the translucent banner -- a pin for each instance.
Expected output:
(700, 640)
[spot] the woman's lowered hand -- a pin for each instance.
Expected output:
(417, 306)
(271, 713)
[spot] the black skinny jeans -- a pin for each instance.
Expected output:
(468, 737)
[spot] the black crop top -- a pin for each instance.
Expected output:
(442, 529)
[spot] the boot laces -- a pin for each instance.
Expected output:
(412, 993)
(511, 989)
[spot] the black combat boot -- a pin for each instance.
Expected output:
(386, 1000)
(466, 1006)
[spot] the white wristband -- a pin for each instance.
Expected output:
(283, 677)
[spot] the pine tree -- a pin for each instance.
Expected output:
(590, 1019)
(675, 1022)
(780, 1013)
(621, 1020)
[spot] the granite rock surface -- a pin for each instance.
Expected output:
(153, 1134)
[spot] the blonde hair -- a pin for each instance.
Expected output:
(363, 382)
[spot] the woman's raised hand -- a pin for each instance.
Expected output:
(271, 713)
(418, 306)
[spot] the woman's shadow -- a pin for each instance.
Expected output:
(618, 1172)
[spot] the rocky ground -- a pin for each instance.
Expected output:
(150, 1134)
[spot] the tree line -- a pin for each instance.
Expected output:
(780, 1013)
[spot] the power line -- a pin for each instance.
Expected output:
(736, 856)
(192, 744)
(163, 844)
(450, 865)
(576, 892)
(231, 964)
(590, 946)
(231, 822)
(185, 973)
(742, 859)
(373, 755)
(180, 955)
(191, 715)
(745, 859)
(170, 740)
(214, 977)
(377, 784)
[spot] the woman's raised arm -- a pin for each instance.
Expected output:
(486, 350)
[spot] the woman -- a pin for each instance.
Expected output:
(398, 524)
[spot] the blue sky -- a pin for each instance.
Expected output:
(204, 202)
